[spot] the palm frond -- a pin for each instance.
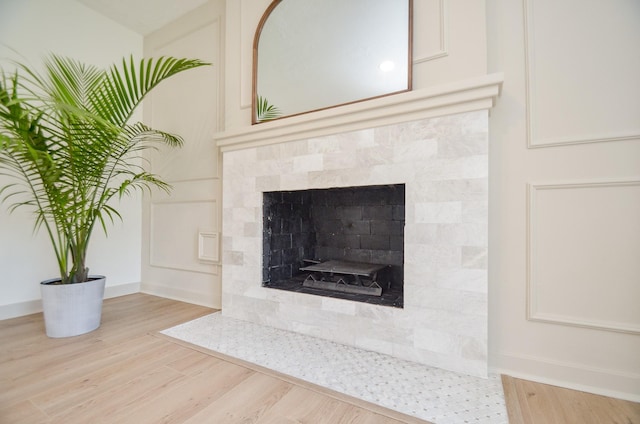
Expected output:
(66, 140)
(266, 111)
(125, 86)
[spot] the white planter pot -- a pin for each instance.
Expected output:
(72, 309)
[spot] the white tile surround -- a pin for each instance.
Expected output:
(443, 161)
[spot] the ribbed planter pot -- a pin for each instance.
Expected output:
(72, 309)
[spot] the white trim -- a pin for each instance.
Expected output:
(601, 381)
(533, 314)
(202, 237)
(444, 36)
(220, 92)
(245, 97)
(434, 56)
(172, 201)
(13, 310)
(528, 74)
(183, 269)
(179, 294)
(568, 141)
(120, 289)
(192, 180)
(465, 96)
(184, 32)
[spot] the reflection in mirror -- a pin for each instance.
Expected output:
(315, 54)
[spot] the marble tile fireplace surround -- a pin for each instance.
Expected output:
(435, 142)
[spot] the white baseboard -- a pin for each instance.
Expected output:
(121, 290)
(179, 294)
(19, 309)
(29, 307)
(606, 382)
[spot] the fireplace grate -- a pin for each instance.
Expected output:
(342, 276)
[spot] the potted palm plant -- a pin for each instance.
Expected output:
(68, 146)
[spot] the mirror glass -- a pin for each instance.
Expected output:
(315, 54)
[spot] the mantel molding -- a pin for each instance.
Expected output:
(463, 96)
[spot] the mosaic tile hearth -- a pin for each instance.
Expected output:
(428, 393)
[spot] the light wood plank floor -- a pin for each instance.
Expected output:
(532, 403)
(125, 372)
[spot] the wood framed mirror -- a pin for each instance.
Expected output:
(310, 55)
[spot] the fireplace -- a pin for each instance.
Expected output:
(346, 243)
(433, 143)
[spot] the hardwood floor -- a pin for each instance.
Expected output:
(125, 372)
(529, 403)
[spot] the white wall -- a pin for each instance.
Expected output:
(564, 267)
(33, 28)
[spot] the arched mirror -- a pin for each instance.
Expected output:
(316, 54)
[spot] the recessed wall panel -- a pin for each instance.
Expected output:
(429, 38)
(176, 229)
(585, 254)
(582, 71)
(180, 107)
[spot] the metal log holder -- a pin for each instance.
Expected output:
(342, 276)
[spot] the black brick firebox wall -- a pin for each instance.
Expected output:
(358, 224)
(288, 235)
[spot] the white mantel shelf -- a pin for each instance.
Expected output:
(463, 96)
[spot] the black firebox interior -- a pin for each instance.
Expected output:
(363, 225)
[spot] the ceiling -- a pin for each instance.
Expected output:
(143, 16)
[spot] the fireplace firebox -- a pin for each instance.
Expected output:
(339, 242)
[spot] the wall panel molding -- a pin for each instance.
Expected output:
(443, 50)
(535, 244)
(193, 180)
(532, 85)
(158, 226)
(182, 294)
(192, 30)
(208, 247)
